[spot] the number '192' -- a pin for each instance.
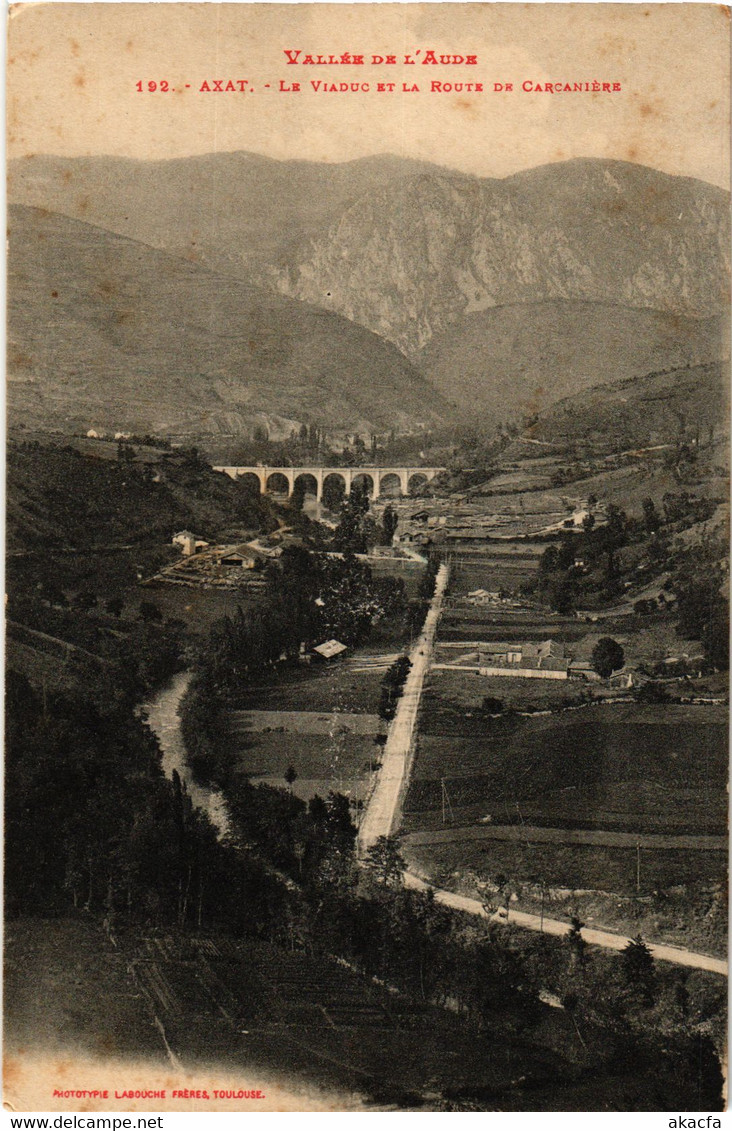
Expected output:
(152, 86)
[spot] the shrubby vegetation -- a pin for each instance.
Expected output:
(594, 568)
(392, 686)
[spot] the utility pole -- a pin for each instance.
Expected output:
(637, 867)
(445, 802)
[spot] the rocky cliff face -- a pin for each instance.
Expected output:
(413, 257)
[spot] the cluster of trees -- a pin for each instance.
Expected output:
(419, 607)
(699, 584)
(392, 686)
(307, 444)
(309, 598)
(607, 656)
(51, 596)
(563, 583)
(311, 443)
(357, 531)
(590, 569)
(90, 819)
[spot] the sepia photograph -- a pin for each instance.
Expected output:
(367, 557)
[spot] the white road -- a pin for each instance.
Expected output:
(383, 810)
(383, 813)
(607, 939)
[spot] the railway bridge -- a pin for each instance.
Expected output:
(282, 480)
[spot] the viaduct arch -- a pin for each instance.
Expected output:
(281, 478)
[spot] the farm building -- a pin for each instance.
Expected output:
(547, 659)
(329, 650)
(243, 557)
(188, 542)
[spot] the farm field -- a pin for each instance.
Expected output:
(471, 623)
(197, 607)
(629, 768)
(454, 700)
(350, 684)
(341, 761)
(493, 565)
(321, 720)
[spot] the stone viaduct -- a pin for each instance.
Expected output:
(282, 479)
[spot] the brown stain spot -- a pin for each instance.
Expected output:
(67, 176)
(466, 106)
(12, 1070)
(54, 294)
(614, 207)
(632, 153)
(19, 360)
(82, 204)
(106, 1045)
(74, 48)
(79, 80)
(130, 45)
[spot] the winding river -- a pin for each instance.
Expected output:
(161, 712)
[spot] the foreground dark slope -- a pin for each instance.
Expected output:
(59, 498)
(518, 359)
(106, 331)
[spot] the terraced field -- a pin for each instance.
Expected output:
(222, 1008)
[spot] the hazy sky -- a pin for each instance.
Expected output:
(73, 69)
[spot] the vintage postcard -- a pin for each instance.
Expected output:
(367, 557)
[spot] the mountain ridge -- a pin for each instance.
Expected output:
(104, 330)
(661, 408)
(404, 247)
(513, 360)
(420, 253)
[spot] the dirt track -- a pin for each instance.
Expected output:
(383, 812)
(535, 834)
(606, 939)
